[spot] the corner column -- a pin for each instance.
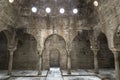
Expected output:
(96, 67)
(40, 65)
(40, 61)
(69, 62)
(117, 67)
(11, 52)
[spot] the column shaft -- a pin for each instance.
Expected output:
(10, 63)
(117, 68)
(69, 64)
(40, 65)
(96, 68)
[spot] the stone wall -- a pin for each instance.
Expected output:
(26, 55)
(109, 15)
(81, 54)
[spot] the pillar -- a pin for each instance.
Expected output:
(40, 64)
(117, 68)
(11, 52)
(69, 63)
(96, 68)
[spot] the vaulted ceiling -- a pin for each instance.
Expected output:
(22, 8)
(11, 13)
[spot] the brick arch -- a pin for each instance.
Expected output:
(33, 32)
(101, 34)
(37, 35)
(60, 45)
(81, 54)
(109, 38)
(54, 35)
(74, 35)
(3, 29)
(104, 53)
(26, 55)
(57, 57)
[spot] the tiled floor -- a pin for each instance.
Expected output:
(56, 74)
(81, 78)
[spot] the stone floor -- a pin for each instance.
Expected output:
(57, 74)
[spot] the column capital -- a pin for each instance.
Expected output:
(95, 49)
(69, 49)
(114, 49)
(68, 54)
(12, 48)
(39, 48)
(40, 55)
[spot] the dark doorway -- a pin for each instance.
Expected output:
(81, 54)
(4, 54)
(105, 55)
(54, 58)
(54, 45)
(26, 57)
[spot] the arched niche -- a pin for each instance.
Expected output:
(105, 55)
(26, 56)
(81, 54)
(54, 58)
(54, 42)
(3, 52)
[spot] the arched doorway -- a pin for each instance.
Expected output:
(105, 55)
(26, 56)
(54, 45)
(54, 58)
(81, 54)
(3, 52)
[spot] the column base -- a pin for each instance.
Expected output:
(39, 73)
(97, 72)
(69, 72)
(9, 73)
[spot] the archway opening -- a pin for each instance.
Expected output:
(54, 58)
(105, 55)
(81, 54)
(3, 52)
(26, 56)
(54, 53)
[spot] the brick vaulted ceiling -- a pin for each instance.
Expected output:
(22, 8)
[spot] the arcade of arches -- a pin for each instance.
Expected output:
(38, 41)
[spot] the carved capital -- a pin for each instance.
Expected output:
(12, 48)
(114, 50)
(40, 55)
(95, 49)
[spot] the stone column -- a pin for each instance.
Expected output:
(117, 68)
(69, 62)
(40, 49)
(10, 60)
(40, 62)
(96, 68)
